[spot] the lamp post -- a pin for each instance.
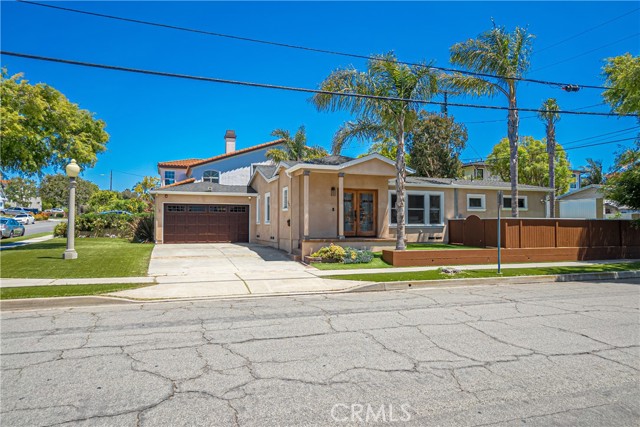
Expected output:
(72, 171)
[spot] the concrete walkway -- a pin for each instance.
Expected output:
(5, 246)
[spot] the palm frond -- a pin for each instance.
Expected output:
(277, 155)
(474, 86)
(362, 129)
(550, 115)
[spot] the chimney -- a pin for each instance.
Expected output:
(230, 141)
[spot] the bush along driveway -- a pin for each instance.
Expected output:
(97, 257)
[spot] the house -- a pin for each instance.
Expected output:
(589, 203)
(576, 180)
(300, 206)
(479, 170)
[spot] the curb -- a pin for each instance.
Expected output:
(516, 280)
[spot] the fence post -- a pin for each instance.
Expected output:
(555, 240)
(520, 234)
(499, 243)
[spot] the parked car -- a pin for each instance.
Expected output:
(9, 227)
(54, 210)
(16, 211)
(24, 218)
(115, 213)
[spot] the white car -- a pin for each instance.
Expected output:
(25, 219)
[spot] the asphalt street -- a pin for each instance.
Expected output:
(537, 354)
(40, 227)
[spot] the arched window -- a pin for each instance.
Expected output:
(211, 176)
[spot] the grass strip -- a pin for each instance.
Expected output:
(21, 238)
(64, 290)
(475, 274)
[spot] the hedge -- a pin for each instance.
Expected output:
(139, 227)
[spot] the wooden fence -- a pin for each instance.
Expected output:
(544, 233)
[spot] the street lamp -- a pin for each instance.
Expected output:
(72, 171)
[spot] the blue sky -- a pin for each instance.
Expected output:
(152, 119)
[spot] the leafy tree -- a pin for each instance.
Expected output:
(54, 191)
(20, 190)
(623, 184)
(622, 75)
(143, 188)
(435, 145)
(384, 77)
(550, 116)
(102, 200)
(505, 55)
(294, 148)
(533, 169)
(128, 194)
(594, 172)
(41, 128)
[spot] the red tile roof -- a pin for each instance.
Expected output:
(234, 153)
(178, 163)
(175, 184)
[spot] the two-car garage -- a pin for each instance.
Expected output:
(205, 223)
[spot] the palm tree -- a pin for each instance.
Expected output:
(384, 77)
(550, 116)
(505, 55)
(294, 148)
(594, 172)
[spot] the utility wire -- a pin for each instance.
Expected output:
(299, 47)
(586, 31)
(294, 88)
(603, 134)
(529, 117)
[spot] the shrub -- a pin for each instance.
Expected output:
(143, 229)
(60, 230)
(331, 253)
(41, 216)
(357, 256)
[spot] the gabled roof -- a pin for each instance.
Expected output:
(180, 164)
(205, 187)
(176, 184)
(479, 183)
(580, 190)
(235, 153)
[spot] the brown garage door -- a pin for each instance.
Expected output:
(205, 223)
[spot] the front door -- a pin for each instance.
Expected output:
(360, 212)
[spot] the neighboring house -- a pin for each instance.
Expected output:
(300, 206)
(589, 203)
(576, 180)
(34, 202)
(478, 170)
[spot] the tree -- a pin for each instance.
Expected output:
(41, 128)
(54, 191)
(384, 77)
(143, 188)
(593, 171)
(505, 55)
(550, 116)
(623, 184)
(622, 75)
(435, 145)
(294, 148)
(20, 191)
(533, 168)
(102, 200)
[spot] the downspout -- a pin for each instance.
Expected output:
(455, 203)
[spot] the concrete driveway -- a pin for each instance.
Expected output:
(224, 269)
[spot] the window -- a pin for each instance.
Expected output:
(258, 210)
(415, 209)
(421, 207)
(267, 208)
(522, 202)
(197, 208)
(574, 181)
(479, 173)
(176, 208)
(238, 209)
(211, 176)
(217, 209)
(285, 199)
(476, 202)
(169, 177)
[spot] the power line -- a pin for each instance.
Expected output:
(586, 53)
(586, 31)
(299, 47)
(294, 88)
(603, 134)
(528, 117)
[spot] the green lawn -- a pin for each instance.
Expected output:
(64, 290)
(31, 236)
(471, 274)
(97, 257)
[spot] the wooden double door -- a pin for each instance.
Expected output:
(360, 213)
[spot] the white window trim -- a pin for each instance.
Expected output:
(526, 203)
(207, 179)
(482, 197)
(426, 195)
(285, 199)
(164, 177)
(258, 210)
(267, 211)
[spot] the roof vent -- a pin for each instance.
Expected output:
(209, 188)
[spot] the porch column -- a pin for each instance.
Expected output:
(306, 205)
(341, 205)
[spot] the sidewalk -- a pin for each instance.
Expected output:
(5, 246)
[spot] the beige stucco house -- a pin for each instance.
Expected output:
(300, 206)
